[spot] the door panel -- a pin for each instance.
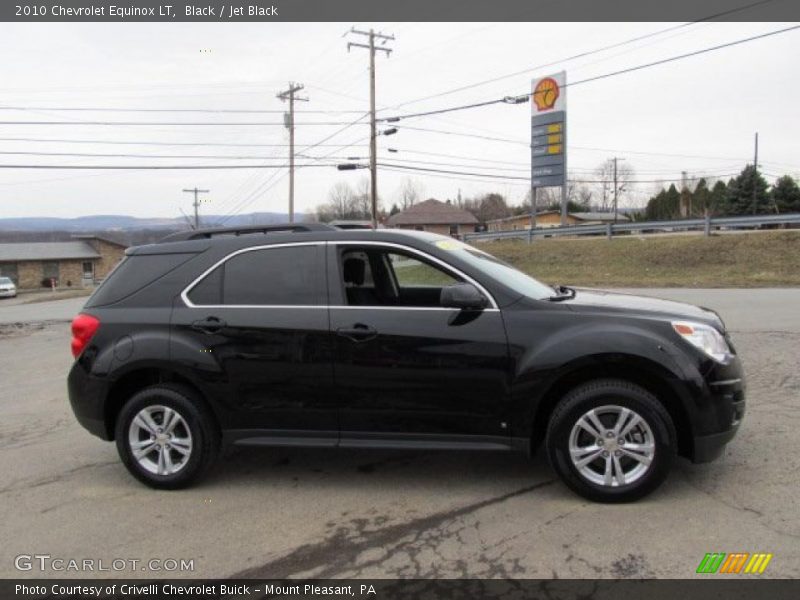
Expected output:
(256, 333)
(404, 366)
(422, 371)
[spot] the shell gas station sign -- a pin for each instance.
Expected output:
(549, 130)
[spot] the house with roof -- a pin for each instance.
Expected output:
(552, 218)
(80, 262)
(434, 216)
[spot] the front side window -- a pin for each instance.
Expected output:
(496, 269)
(281, 276)
(373, 276)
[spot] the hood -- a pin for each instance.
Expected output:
(589, 300)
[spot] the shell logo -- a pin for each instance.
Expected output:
(546, 93)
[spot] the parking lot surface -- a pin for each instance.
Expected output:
(274, 513)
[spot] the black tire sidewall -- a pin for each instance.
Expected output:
(576, 404)
(203, 437)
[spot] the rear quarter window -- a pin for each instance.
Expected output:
(281, 276)
(134, 273)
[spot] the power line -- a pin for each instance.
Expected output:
(597, 77)
(176, 110)
(519, 178)
(155, 167)
(172, 156)
(583, 54)
(170, 123)
(151, 143)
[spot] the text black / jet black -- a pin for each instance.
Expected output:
(306, 335)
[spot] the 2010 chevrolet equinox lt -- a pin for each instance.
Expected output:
(306, 335)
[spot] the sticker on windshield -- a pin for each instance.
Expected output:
(448, 244)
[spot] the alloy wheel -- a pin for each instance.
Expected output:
(160, 440)
(611, 446)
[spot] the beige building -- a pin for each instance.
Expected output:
(552, 218)
(80, 262)
(436, 217)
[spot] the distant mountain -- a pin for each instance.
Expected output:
(125, 223)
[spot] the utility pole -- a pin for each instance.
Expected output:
(289, 122)
(616, 187)
(373, 133)
(755, 176)
(196, 203)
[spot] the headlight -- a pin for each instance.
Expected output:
(704, 338)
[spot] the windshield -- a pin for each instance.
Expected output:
(5, 281)
(496, 268)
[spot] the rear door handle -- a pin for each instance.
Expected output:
(209, 325)
(358, 332)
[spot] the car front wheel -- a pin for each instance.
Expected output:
(166, 437)
(611, 441)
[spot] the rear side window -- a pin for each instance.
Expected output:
(281, 276)
(132, 274)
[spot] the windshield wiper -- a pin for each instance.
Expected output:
(562, 293)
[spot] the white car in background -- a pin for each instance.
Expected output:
(7, 288)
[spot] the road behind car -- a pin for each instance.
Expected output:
(276, 513)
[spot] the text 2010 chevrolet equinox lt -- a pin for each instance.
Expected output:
(310, 336)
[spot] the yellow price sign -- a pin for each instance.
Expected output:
(554, 149)
(554, 128)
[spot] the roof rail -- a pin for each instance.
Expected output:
(199, 234)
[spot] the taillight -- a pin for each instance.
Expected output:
(83, 328)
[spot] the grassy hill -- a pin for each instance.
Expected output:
(757, 259)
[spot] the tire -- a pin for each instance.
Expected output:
(188, 450)
(652, 439)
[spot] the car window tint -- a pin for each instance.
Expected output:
(411, 272)
(280, 276)
(209, 290)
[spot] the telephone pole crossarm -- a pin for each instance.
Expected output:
(291, 95)
(196, 204)
(373, 144)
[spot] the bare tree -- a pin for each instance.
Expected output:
(604, 174)
(410, 192)
(341, 203)
(361, 197)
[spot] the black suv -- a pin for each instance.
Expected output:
(306, 335)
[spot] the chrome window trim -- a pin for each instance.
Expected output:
(185, 293)
(226, 258)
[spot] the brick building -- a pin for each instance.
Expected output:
(436, 217)
(80, 262)
(552, 218)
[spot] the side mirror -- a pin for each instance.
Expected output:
(464, 296)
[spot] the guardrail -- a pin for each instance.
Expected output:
(707, 224)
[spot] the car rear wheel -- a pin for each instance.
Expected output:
(166, 437)
(611, 441)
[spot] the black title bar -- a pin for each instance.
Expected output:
(398, 10)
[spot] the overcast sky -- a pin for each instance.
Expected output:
(697, 114)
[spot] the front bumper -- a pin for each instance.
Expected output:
(8, 293)
(724, 410)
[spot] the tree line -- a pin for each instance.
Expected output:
(746, 194)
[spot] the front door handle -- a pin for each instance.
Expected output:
(358, 332)
(209, 325)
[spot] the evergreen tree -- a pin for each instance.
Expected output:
(785, 195)
(740, 193)
(718, 198)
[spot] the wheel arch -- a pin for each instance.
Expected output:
(640, 371)
(140, 377)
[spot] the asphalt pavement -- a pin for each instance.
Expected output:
(274, 513)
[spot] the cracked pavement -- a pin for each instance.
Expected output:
(274, 513)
